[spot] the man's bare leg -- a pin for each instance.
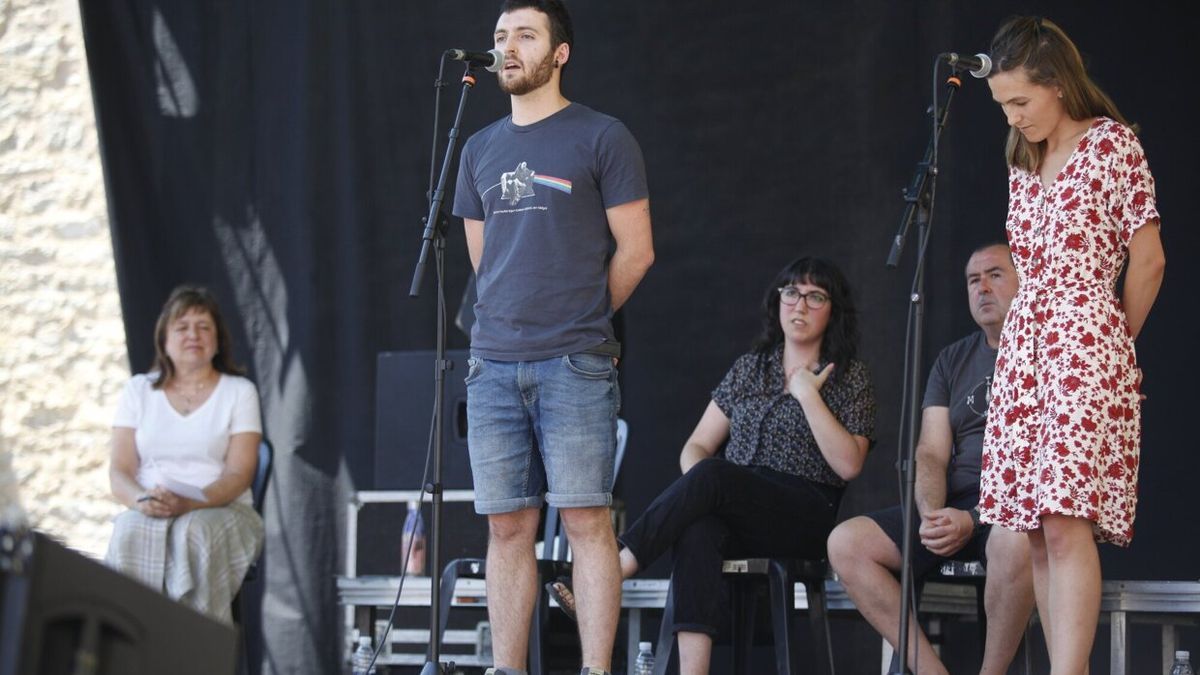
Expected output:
(511, 584)
(866, 560)
(596, 578)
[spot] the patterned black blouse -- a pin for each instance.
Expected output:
(767, 426)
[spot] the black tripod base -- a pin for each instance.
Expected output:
(432, 668)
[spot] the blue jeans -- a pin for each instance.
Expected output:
(537, 427)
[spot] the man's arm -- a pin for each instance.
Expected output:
(933, 456)
(474, 230)
(630, 227)
(943, 530)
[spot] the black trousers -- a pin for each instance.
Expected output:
(720, 510)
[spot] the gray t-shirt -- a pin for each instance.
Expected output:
(961, 380)
(542, 190)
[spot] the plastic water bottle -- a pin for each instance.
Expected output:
(645, 660)
(412, 541)
(1183, 664)
(361, 663)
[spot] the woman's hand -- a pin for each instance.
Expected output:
(160, 502)
(149, 506)
(802, 382)
(843, 452)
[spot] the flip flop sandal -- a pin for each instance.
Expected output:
(567, 607)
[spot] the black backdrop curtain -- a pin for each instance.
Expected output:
(278, 152)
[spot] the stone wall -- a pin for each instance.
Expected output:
(62, 343)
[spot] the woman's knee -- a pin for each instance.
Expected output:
(707, 476)
(210, 519)
(708, 468)
(124, 528)
(1067, 535)
(127, 518)
(1007, 552)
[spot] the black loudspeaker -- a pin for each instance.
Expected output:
(64, 613)
(403, 410)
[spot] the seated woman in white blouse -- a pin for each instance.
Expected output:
(190, 426)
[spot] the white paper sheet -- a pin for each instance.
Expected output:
(184, 490)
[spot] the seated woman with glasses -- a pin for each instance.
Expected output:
(796, 416)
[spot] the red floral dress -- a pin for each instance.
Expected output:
(1063, 429)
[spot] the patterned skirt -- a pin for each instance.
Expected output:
(198, 559)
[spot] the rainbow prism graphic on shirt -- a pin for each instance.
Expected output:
(518, 184)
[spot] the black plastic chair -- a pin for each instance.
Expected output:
(781, 575)
(971, 573)
(258, 493)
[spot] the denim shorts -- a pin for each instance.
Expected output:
(542, 427)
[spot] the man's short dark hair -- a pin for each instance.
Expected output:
(994, 243)
(989, 244)
(560, 21)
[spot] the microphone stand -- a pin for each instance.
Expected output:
(919, 197)
(434, 237)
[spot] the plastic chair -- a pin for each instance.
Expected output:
(781, 575)
(258, 492)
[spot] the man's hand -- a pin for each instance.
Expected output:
(946, 530)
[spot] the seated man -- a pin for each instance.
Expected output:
(865, 551)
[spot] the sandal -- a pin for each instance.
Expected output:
(560, 590)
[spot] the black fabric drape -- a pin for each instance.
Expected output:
(278, 151)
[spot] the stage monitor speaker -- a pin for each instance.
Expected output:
(403, 410)
(64, 613)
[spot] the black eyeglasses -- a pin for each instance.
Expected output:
(790, 295)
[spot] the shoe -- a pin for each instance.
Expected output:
(560, 590)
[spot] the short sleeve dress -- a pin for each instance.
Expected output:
(1063, 432)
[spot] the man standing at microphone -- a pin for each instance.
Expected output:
(541, 192)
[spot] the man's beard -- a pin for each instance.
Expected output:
(523, 85)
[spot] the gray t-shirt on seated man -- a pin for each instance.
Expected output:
(961, 379)
(542, 191)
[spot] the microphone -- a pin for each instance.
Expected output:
(492, 60)
(979, 65)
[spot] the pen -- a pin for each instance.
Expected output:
(146, 498)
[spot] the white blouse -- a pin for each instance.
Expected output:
(188, 448)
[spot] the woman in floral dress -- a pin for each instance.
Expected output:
(1062, 444)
